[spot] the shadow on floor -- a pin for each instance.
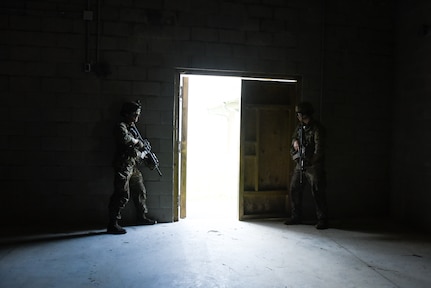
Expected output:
(49, 237)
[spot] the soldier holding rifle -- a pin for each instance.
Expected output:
(308, 144)
(128, 181)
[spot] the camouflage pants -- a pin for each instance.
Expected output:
(128, 183)
(316, 178)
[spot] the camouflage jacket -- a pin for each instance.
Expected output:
(314, 143)
(126, 150)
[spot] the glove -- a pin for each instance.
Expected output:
(143, 154)
(139, 144)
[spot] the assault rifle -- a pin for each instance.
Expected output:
(150, 160)
(302, 144)
(299, 155)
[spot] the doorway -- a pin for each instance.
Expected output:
(215, 167)
(213, 127)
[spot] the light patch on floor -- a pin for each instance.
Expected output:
(217, 253)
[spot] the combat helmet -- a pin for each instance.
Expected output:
(130, 107)
(304, 108)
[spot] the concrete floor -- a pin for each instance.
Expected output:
(208, 253)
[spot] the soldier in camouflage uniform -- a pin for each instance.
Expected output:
(128, 180)
(313, 171)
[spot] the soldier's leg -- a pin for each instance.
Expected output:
(118, 200)
(318, 189)
(296, 188)
(139, 196)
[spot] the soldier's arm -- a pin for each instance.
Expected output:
(319, 140)
(294, 148)
(124, 136)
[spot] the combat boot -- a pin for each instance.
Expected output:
(145, 221)
(322, 224)
(293, 221)
(115, 228)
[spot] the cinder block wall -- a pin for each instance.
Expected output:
(57, 120)
(357, 101)
(411, 161)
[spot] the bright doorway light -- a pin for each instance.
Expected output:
(213, 144)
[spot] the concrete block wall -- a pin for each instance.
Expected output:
(57, 120)
(411, 157)
(357, 102)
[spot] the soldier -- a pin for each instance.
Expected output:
(310, 160)
(128, 180)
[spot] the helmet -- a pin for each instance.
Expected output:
(304, 108)
(130, 107)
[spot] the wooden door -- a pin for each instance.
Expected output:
(267, 123)
(180, 148)
(183, 147)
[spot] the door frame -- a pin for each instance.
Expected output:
(179, 143)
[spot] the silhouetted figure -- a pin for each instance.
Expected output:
(128, 180)
(308, 144)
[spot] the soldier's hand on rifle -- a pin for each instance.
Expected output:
(139, 144)
(143, 154)
(296, 145)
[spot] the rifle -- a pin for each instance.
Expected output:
(150, 160)
(302, 144)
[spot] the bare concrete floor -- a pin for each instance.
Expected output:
(208, 253)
